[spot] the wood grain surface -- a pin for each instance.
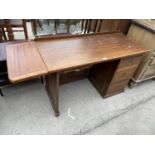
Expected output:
(24, 62)
(62, 54)
(35, 58)
(3, 48)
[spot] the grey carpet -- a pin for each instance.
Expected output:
(25, 109)
(137, 121)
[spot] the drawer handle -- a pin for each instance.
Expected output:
(77, 70)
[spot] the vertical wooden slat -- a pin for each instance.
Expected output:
(1, 35)
(86, 25)
(89, 25)
(68, 25)
(9, 29)
(82, 24)
(25, 28)
(100, 23)
(33, 22)
(95, 25)
(4, 35)
(56, 25)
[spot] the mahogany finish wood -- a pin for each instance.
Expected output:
(108, 60)
(74, 75)
(73, 52)
(101, 75)
(24, 62)
(52, 88)
(3, 48)
(114, 79)
(114, 53)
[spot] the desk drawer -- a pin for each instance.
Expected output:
(129, 62)
(77, 69)
(124, 74)
(115, 87)
(73, 75)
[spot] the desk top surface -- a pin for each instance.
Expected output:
(3, 48)
(48, 56)
(61, 54)
(24, 62)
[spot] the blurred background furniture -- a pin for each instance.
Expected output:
(109, 25)
(66, 22)
(4, 81)
(8, 27)
(2, 35)
(79, 26)
(143, 32)
(91, 25)
(54, 26)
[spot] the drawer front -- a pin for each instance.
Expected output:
(129, 62)
(117, 86)
(74, 75)
(122, 75)
(77, 69)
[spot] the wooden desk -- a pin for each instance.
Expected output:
(107, 60)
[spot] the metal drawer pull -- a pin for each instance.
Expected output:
(77, 70)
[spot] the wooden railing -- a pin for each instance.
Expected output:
(91, 25)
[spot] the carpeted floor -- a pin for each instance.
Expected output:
(25, 109)
(138, 121)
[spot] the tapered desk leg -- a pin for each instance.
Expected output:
(52, 87)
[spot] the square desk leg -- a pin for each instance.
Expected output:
(52, 88)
